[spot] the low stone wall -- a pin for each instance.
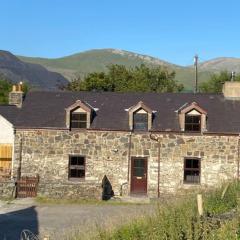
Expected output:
(7, 189)
(78, 190)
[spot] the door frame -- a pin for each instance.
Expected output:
(131, 182)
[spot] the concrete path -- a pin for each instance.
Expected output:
(61, 220)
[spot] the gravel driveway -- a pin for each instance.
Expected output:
(60, 220)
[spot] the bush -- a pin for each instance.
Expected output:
(215, 204)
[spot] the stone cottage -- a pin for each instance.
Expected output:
(147, 144)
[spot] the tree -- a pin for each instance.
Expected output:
(6, 87)
(119, 78)
(215, 84)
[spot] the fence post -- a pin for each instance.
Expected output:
(200, 204)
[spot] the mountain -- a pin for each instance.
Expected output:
(221, 64)
(95, 60)
(98, 59)
(36, 75)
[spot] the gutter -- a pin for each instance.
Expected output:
(157, 139)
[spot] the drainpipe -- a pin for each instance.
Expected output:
(159, 152)
(20, 159)
(238, 160)
(13, 152)
(129, 154)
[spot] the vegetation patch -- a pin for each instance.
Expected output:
(180, 220)
(54, 201)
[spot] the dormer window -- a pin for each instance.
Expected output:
(192, 123)
(140, 117)
(78, 120)
(192, 118)
(78, 115)
(140, 121)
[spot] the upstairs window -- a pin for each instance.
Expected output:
(140, 121)
(192, 170)
(192, 123)
(79, 115)
(140, 117)
(78, 120)
(76, 167)
(192, 118)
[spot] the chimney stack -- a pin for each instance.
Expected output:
(231, 90)
(16, 95)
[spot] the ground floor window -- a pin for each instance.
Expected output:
(192, 170)
(76, 167)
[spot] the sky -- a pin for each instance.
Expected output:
(172, 30)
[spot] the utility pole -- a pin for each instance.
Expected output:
(232, 76)
(196, 72)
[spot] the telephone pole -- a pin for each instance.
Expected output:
(232, 76)
(196, 72)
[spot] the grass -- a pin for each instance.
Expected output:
(215, 204)
(179, 220)
(54, 201)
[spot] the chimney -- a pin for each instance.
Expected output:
(231, 90)
(16, 95)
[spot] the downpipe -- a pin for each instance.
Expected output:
(157, 139)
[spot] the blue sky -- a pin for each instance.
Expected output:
(171, 30)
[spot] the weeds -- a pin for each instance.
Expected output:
(179, 220)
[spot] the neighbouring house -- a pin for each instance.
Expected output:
(140, 143)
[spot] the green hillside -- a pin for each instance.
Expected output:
(97, 60)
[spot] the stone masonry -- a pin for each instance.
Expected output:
(46, 152)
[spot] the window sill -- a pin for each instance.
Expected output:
(190, 183)
(76, 180)
(140, 131)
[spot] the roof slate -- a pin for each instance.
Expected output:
(9, 112)
(47, 110)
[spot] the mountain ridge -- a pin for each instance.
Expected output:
(36, 75)
(96, 60)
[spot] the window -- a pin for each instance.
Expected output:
(193, 123)
(78, 120)
(76, 167)
(140, 121)
(192, 170)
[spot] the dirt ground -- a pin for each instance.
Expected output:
(57, 220)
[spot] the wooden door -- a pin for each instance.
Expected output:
(5, 161)
(139, 175)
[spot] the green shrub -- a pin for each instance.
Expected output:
(215, 204)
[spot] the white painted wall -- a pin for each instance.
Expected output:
(6, 131)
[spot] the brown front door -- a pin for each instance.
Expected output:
(139, 175)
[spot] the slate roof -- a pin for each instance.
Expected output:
(47, 110)
(9, 112)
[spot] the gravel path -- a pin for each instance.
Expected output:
(60, 220)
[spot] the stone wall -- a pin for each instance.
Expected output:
(7, 189)
(46, 152)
